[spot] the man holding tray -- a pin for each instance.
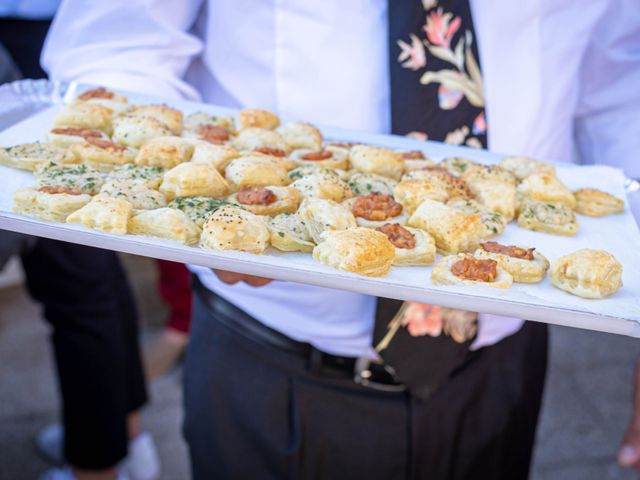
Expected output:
(282, 379)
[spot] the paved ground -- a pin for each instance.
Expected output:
(585, 407)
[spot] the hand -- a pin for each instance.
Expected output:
(629, 453)
(231, 278)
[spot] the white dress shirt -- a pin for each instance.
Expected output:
(554, 72)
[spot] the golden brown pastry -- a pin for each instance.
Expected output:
(53, 204)
(300, 172)
(493, 223)
(104, 213)
(587, 273)
(546, 187)
(364, 183)
(301, 135)
(137, 194)
(256, 117)
(150, 177)
(441, 179)
(31, 156)
(548, 217)
(454, 231)
(359, 250)
(497, 196)
(323, 185)
(106, 98)
(169, 223)
(81, 178)
(165, 152)
(375, 209)
(103, 155)
(321, 215)
(413, 246)
(232, 228)
(522, 167)
(85, 115)
(489, 172)
(193, 179)
(216, 156)
(256, 170)
(597, 203)
(134, 131)
(68, 136)
(378, 160)
(411, 193)
(458, 165)
(416, 160)
(524, 264)
(197, 120)
(250, 139)
(289, 233)
(329, 157)
(168, 116)
(465, 269)
(198, 209)
(267, 200)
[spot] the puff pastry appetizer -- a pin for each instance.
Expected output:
(68, 136)
(300, 172)
(458, 165)
(522, 167)
(198, 209)
(85, 115)
(321, 215)
(454, 231)
(106, 98)
(103, 155)
(216, 156)
(104, 213)
(587, 273)
(138, 195)
(232, 228)
(197, 120)
(251, 139)
(416, 160)
(411, 193)
(150, 177)
(166, 152)
(488, 172)
(256, 117)
(497, 196)
(267, 200)
(329, 157)
(81, 178)
(378, 160)
(413, 246)
(53, 204)
(375, 209)
(548, 218)
(493, 223)
(465, 269)
(597, 203)
(135, 131)
(289, 233)
(192, 180)
(441, 179)
(257, 171)
(323, 185)
(301, 135)
(168, 116)
(30, 156)
(358, 250)
(169, 223)
(364, 183)
(546, 187)
(524, 264)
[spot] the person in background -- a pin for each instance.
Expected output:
(270, 390)
(88, 303)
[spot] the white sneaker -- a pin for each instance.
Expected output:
(65, 473)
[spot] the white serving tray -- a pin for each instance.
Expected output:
(617, 234)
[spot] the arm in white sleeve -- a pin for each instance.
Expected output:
(137, 45)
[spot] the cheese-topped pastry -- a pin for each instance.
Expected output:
(289, 233)
(149, 176)
(493, 223)
(232, 228)
(168, 116)
(597, 203)
(53, 204)
(169, 223)
(193, 179)
(329, 157)
(465, 269)
(197, 120)
(305, 170)
(524, 264)
(197, 209)
(166, 152)
(107, 98)
(134, 131)
(301, 135)
(364, 183)
(413, 246)
(103, 155)
(546, 187)
(488, 172)
(138, 195)
(321, 215)
(416, 160)
(375, 209)
(267, 200)
(216, 156)
(82, 178)
(85, 115)
(548, 217)
(30, 156)
(68, 136)
(251, 139)
(359, 250)
(458, 165)
(323, 185)
(440, 178)
(109, 214)
(378, 160)
(522, 167)
(411, 193)
(454, 231)
(587, 273)
(256, 117)
(256, 170)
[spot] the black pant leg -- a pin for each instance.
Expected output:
(24, 40)
(87, 301)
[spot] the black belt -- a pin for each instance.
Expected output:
(363, 371)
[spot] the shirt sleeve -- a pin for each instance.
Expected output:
(138, 45)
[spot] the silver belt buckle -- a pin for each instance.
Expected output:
(362, 376)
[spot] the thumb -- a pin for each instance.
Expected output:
(628, 455)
